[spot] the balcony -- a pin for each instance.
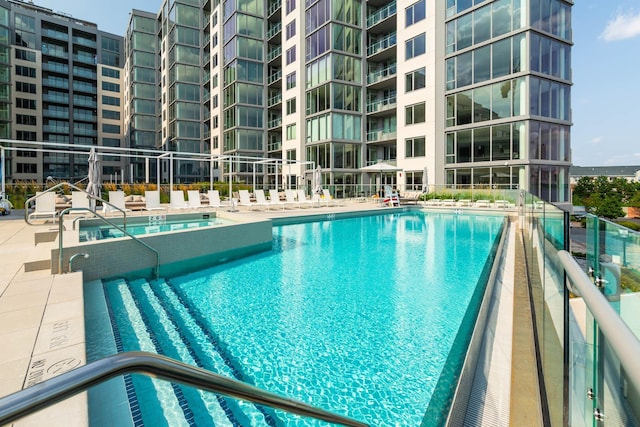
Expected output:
(84, 131)
(274, 100)
(85, 42)
(55, 67)
(274, 29)
(55, 34)
(379, 75)
(86, 59)
(381, 45)
(62, 99)
(55, 52)
(56, 129)
(85, 117)
(56, 83)
(274, 77)
(381, 14)
(274, 53)
(385, 104)
(274, 7)
(274, 123)
(84, 88)
(56, 114)
(274, 145)
(377, 135)
(83, 72)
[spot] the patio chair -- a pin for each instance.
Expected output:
(290, 197)
(177, 200)
(261, 199)
(80, 199)
(245, 200)
(214, 199)
(390, 197)
(274, 199)
(45, 206)
(116, 200)
(302, 199)
(327, 199)
(152, 201)
(194, 200)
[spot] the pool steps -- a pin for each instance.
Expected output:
(165, 328)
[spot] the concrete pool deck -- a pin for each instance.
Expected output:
(42, 315)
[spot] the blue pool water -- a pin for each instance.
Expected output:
(357, 316)
(105, 232)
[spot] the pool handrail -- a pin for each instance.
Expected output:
(68, 384)
(68, 184)
(156, 268)
(622, 340)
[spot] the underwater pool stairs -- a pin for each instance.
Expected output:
(167, 328)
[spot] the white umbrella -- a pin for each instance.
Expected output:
(317, 180)
(382, 168)
(425, 180)
(94, 186)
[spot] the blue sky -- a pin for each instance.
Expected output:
(606, 66)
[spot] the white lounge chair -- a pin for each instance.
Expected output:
(45, 206)
(433, 202)
(214, 199)
(194, 199)
(327, 199)
(290, 198)
(245, 200)
(274, 199)
(482, 203)
(261, 199)
(116, 202)
(80, 200)
(177, 200)
(302, 199)
(152, 201)
(390, 197)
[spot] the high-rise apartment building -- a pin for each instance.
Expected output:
(67, 85)
(468, 92)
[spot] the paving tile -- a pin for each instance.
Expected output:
(18, 320)
(68, 413)
(21, 344)
(13, 374)
(63, 311)
(18, 302)
(59, 335)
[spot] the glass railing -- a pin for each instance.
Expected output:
(274, 146)
(84, 88)
(83, 72)
(47, 32)
(56, 53)
(87, 59)
(274, 53)
(274, 123)
(85, 42)
(274, 100)
(381, 14)
(55, 98)
(378, 75)
(274, 30)
(56, 83)
(56, 129)
(55, 67)
(385, 43)
(274, 77)
(273, 7)
(56, 114)
(382, 104)
(381, 134)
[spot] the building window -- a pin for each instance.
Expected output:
(26, 168)
(110, 128)
(291, 155)
(291, 132)
(111, 87)
(215, 142)
(415, 80)
(110, 100)
(291, 80)
(291, 55)
(25, 87)
(291, 5)
(25, 55)
(110, 72)
(414, 13)
(24, 119)
(215, 122)
(23, 135)
(29, 104)
(291, 29)
(415, 46)
(25, 71)
(112, 115)
(414, 147)
(291, 106)
(414, 114)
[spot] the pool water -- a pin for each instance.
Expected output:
(106, 232)
(357, 316)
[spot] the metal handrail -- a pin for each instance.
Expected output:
(156, 269)
(68, 184)
(54, 390)
(623, 341)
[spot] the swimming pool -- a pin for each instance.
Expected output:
(155, 224)
(357, 316)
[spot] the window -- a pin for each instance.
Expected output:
(111, 87)
(25, 71)
(23, 119)
(415, 147)
(415, 80)
(291, 55)
(415, 46)
(291, 132)
(291, 80)
(110, 100)
(29, 104)
(23, 135)
(291, 155)
(25, 87)
(26, 168)
(110, 72)
(414, 13)
(25, 55)
(291, 106)
(291, 29)
(415, 114)
(291, 5)
(112, 115)
(25, 153)
(110, 128)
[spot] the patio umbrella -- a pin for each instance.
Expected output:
(317, 180)
(95, 178)
(382, 168)
(425, 180)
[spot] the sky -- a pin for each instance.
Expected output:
(606, 70)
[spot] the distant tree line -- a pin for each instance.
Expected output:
(605, 197)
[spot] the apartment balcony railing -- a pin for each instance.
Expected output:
(84, 131)
(85, 103)
(274, 123)
(85, 42)
(385, 43)
(274, 145)
(275, 29)
(382, 104)
(381, 14)
(56, 114)
(378, 75)
(274, 53)
(274, 100)
(273, 7)
(56, 83)
(54, 34)
(87, 59)
(274, 77)
(55, 67)
(56, 129)
(55, 53)
(84, 88)
(83, 72)
(85, 117)
(64, 99)
(381, 134)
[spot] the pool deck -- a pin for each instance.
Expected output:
(42, 315)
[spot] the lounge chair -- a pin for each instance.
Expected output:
(410, 198)
(482, 203)
(291, 198)
(261, 200)
(194, 199)
(116, 202)
(214, 199)
(80, 200)
(465, 203)
(245, 200)
(390, 197)
(327, 199)
(302, 199)
(45, 206)
(274, 199)
(448, 202)
(433, 202)
(177, 200)
(152, 201)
